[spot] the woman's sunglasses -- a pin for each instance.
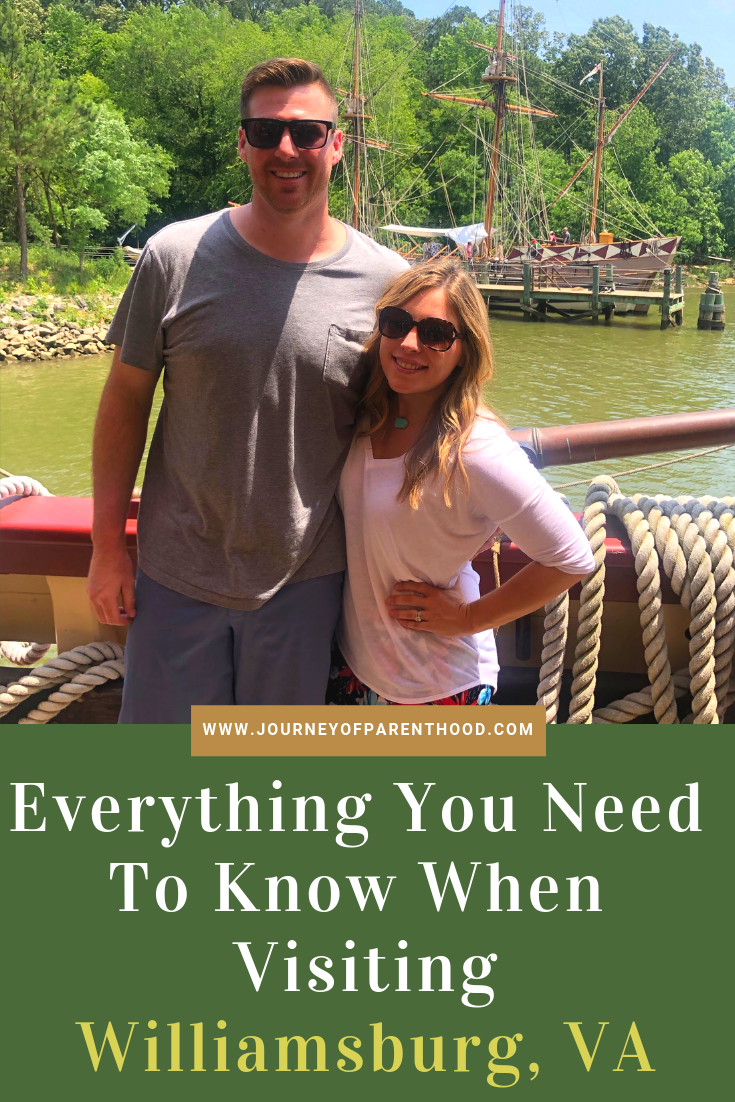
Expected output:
(305, 133)
(434, 333)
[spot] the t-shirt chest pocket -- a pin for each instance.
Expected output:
(346, 371)
(345, 362)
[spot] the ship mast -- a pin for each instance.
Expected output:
(599, 147)
(496, 75)
(357, 121)
(356, 113)
(608, 137)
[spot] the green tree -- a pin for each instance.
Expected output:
(171, 72)
(76, 44)
(687, 204)
(34, 111)
(176, 78)
(684, 93)
(612, 41)
(110, 176)
(716, 139)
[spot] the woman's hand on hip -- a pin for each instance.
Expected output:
(422, 607)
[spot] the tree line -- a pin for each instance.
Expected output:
(127, 112)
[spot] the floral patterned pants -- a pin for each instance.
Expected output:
(345, 688)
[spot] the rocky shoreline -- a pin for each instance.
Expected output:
(29, 341)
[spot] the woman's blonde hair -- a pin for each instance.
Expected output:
(438, 449)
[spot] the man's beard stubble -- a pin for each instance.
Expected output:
(317, 187)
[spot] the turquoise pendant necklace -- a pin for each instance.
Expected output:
(401, 422)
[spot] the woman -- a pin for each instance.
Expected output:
(430, 476)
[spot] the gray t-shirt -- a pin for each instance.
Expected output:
(263, 367)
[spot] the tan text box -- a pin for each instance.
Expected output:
(423, 730)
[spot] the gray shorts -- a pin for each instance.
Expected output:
(181, 651)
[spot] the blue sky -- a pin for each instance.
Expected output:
(711, 23)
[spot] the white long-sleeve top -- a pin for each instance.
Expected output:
(389, 542)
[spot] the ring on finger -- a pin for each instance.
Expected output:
(417, 617)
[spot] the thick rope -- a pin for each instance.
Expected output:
(650, 604)
(694, 541)
(724, 510)
(721, 557)
(587, 650)
(62, 668)
(23, 654)
(19, 485)
(703, 607)
(636, 705)
(556, 626)
(72, 690)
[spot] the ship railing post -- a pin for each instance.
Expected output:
(527, 283)
(610, 278)
(596, 289)
(666, 300)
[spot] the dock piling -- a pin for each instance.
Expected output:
(595, 290)
(666, 301)
(706, 302)
(527, 284)
(712, 305)
(526, 299)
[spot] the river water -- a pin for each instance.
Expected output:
(546, 374)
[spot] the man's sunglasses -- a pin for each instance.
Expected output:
(305, 133)
(434, 333)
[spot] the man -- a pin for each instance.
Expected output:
(257, 318)
(567, 236)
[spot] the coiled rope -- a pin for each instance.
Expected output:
(556, 627)
(90, 665)
(693, 540)
(20, 485)
(23, 654)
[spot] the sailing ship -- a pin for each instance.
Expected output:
(516, 225)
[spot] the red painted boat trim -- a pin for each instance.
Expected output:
(52, 535)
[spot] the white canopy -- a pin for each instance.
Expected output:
(462, 234)
(415, 231)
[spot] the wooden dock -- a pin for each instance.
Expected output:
(536, 302)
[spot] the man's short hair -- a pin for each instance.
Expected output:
(284, 72)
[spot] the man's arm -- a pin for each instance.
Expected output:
(119, 440)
